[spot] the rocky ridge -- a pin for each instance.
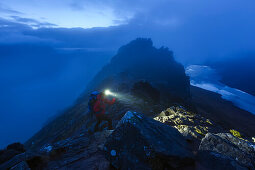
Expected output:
(140, 142)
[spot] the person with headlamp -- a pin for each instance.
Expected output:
(99, 108)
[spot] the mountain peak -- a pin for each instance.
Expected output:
(139, 43)
(136, 47)
(142, 61)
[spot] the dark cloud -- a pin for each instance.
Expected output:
(32, 22)
(4, 9)
(195, 30)
(195, 36)
(13, 32)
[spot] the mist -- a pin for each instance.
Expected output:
(38, 82)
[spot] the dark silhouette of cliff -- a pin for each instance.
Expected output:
(140, 60)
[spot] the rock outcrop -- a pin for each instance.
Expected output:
(191, 125)
(139, 142)
(230, 146)
(216, 151)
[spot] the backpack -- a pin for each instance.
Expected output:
(92, 100)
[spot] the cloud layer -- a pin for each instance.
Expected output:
(194, 30)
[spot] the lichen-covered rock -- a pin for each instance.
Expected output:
(228, 145)
(139, 142)
(241, 143)
(235, 133)
(187, 123)
(253, 139)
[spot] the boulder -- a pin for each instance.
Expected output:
(17, 147)
(228, 145)
(139, 142)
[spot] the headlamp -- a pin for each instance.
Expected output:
(107, 92)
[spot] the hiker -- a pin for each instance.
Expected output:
(97, 105)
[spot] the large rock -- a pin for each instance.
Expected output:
(17, 147)
(139, 142)
(228, 145)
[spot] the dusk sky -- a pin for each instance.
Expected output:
(50, 49)
(190, 28)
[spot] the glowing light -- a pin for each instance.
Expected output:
(107, 92)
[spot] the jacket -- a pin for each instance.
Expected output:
(100, 105)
